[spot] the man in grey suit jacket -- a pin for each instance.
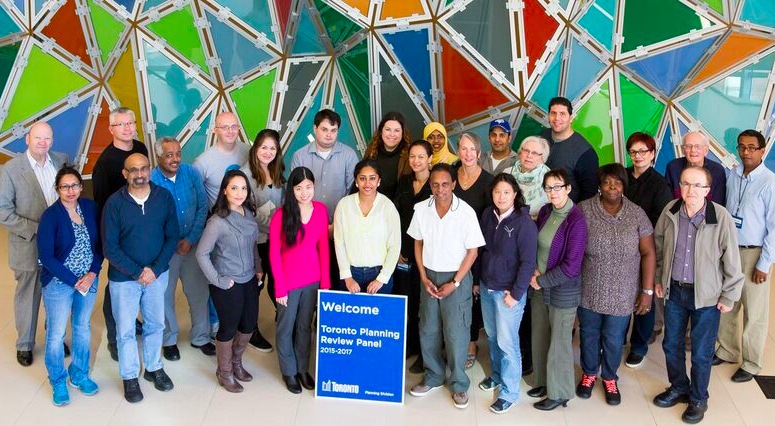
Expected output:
(26, 190)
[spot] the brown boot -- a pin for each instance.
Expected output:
(224, 372)
(239, 344)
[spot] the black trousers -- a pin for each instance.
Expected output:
(263, 252)
(407, 283)
(237, 309)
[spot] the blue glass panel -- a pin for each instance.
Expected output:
(668, 69)
(770, 160)
(732, 104)
(307, 37)
(128, 4)
(346, 133)
(583, 68)
(550, 82)
(411, 48)
(152, 3)
(196, 143)
(174, 95)
(39, 4)
(599, 21)
(714, 157)
(7, 25)
(303, 132)
(395, 98)
(483, 24)
(68, 130)
(760, 12)
(255, 13)
(483, 132)
(238, 54)
(20, 5)
(683, 129)
(666, 152)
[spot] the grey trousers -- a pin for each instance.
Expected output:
(446, 321)
(195, 287)
(551, 330)
(294, 330)
(26, 304)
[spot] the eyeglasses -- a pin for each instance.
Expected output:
(65, 188)
(135, 170)
(637, 152)
(123, 124)
(688, 185)
(225, 127)
(555, 188)
(529, 152)
(696, 147)
(743, 148)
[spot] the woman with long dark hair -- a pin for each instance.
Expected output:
(264, 170)
(228, 256)
(298, 235)
(389, 147)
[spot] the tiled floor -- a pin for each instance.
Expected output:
(25, 395)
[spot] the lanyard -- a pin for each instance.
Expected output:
(741, 192)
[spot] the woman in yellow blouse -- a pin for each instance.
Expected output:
(436, 135)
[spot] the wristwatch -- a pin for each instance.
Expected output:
(647, 291)
(456, 283)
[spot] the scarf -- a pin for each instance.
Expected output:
(531, 184)
(444, 155)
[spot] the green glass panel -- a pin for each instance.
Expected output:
(107, 29)
(255, 13)
(339, 28)
(346, 134)
(7, 58)
(252, 101)
(550, 82)
(674, 18)
(178, 30)
(716, 5)
(304, 131)
(196, 143)
(355, 70)
(527, 127)
(641, 112)
(599, 21)
(732, 104)
(593, 121)
(37, 89)
(7, 25)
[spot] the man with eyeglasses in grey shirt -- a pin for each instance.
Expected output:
(227, 153)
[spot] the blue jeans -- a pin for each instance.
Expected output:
(502, 326)
(679, 310)
(642, 329)
(600, 331)
(363, 275)
(129, 297)
(60, 302)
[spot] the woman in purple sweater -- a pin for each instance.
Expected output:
(556, 283)
(508, 262)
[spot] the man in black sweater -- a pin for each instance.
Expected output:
(569, 150)
(107, 178)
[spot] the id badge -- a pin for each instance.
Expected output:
(738, 221)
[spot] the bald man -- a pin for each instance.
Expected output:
(26, 190)
(227, 153)
(695, 148)
(140, 233)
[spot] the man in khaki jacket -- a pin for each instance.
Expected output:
(698, 274)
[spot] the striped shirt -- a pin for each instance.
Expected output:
(46, 176)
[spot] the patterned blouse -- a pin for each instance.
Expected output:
(80, 258)
(611, 270)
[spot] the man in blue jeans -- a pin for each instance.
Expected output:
(698, 274)
(140, 234)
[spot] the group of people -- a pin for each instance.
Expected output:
(523, 244)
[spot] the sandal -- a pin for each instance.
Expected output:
(470, 360)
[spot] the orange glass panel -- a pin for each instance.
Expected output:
(65, 28)
(401, 8)
(736, 48)
(466, 90)
(99, 140)
(124, 84)
(363, 5)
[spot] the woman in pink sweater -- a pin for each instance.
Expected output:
(298, 253)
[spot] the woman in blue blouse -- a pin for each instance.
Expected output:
(69, 251)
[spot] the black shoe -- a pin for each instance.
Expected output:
(741, 376)
(292, 384)
(132, 392)
(258, 342)
(537, 392)
(207, 349)
(24, 358)
(550, 404)
(584, 388)
(670, 397)
(306, 380)
(138, 328)
(694, 412)
(612, 395)
(718, 361)
(633, 360)
(113, 350)
(66, 349)
(488, 384)
(161, 381)
(527, 371)
(500, 406)
(171, 353)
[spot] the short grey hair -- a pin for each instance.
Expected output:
(158, 147)
(474, 138)
(703, 137)
(120, 110)
(540, 141)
